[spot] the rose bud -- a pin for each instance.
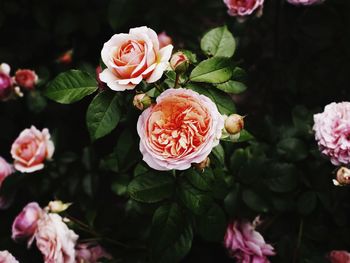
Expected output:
(142, 101)
(66, 57)
(164, 39)
(179, 62)
(202, 165)
(5, 81)
(58, 206)
(342, 177)
(26, 222)
(26, 78)
(234, 124)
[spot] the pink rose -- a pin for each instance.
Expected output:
(243, 7)
(90, 253)
(164, 39)
(5, 170)
(245, 244)
(31, 149)
(55, 240)
(5, 81)
(332, 132)
(26, 78)
(131, 58)
(305, 2)
(182, 128)
(338, 256)
(6, 257)
(25, 224)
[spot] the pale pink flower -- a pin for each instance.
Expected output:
(25, 224)
(6, 169)
(55, 240)
(164, 39)
(305, 2)
(26, 78)
(6, 257)
(31, 149)
(243, 7)
(245, 244)
(339, 256)
(332, 132)
(90, 253)
(181, 129)
(133, 57)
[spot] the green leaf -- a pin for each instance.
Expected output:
(292, 149)
(212, 224)
(222, 100)
(171, 234)
(245, 136)
(103, 114)
(151, 187)
(195, 200)
(71, 86)
(212, 70)
(254, 201)
(282, 177)
(218, 42)
(307, 203)
(231, 200)
(201, 180)
(219, 154)
(232, 86)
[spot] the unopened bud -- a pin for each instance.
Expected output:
(342, 177)
(142, 101)
(202, 165)
(58, 206)
(179, 62)
(234, 124)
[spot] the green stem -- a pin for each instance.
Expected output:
(177, 79)
(297, 247)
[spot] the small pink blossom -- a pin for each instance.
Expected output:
(245, 244)
(6, 257)
(339, 256)
(31, 149)
(180, 129)
(25, 224)
(55, 240)
(164, 39)
(26, 78)
(242, 8)
(305, 2)
(90, 253)
(6, 169)
(6, 82)
(332, 132)
(133, 57)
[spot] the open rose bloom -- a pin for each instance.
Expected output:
(6, 257)
(243, 7)
(305, 2)
(339, 256)
(131, 58)
(245, 244)
(181, 129)
(332, 132)
(31, 149)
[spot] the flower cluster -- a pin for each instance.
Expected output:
(53, 238)
(10, 86)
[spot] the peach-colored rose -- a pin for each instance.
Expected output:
(25, 224)
(6, 257)
(164, 39)
(131, 58)
(6, 169)
(55, 240)
(26, 78)
(31, 149)
(182, 128)
(339, 256)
